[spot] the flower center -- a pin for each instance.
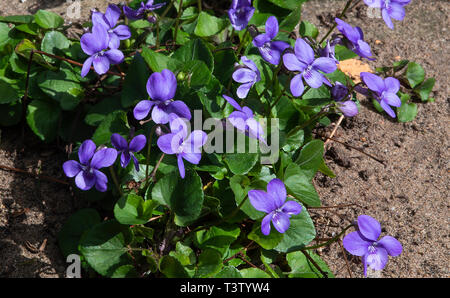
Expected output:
(373, 248)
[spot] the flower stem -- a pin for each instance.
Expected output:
(335, 24)
(116, 182)
(177, 22)
(199, 2)
(241, 43)
(149, 144)
(334, 239)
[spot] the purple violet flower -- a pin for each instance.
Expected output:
(161, 86)
(329, 51)
(390, 9)
(354, 39)
(273, 202)
(240, 13)
(244, 120)
(364, 243)
(339, 92)
(384, 91)
(142, 12)
(109, 21)
(127, 150)
(270, 50)
(304, 62)
(248, 75)
(95, 44)
(86, 172)
(179, 143)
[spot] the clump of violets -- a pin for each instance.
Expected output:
(127, 150)
(354, 39)
(96, 45)
(303, 61)
(384, 91)
(86, 172)
(243, 119)
(240, 13)
(271, 50)
(364, 243)
(109, 21)
(248, 75)
(161, 87)
(181, 144)
(390, 9)
(273, 202)
(339, 92)
(145, 11)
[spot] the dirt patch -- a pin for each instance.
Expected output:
(409, 196)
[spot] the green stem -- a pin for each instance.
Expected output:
(149, 144)
(335, 24)
(116, 182)
(199, 2)
(157, 34)
(241, 44)
(334, 239)
(177, 22)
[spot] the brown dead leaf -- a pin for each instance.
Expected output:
(353, 67)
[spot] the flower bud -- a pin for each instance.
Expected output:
(339, 91)
(348, 108)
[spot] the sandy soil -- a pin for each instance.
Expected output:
(409, 196)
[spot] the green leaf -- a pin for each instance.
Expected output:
(131, 209)
(115, 122)
(208, 25)
(288, 4)
(242, 163)
(134, 86)
(8, 93)
(196, 73)
(24, 49)
(55, 43)
(125, 271)
(342, 53)
(224, 61)
(302, 267)
(294, 140)
(310, 158)
(157, 61)
(324, 169)
(209, 263)
(217, 237)
(291, 21)
(196, 49)
(48, 19)
(70, 234)
(97, 113)
(184, 254)
(62, 86)
(228, 272)
(19, 19)
(299, 184)
(253, 273)
(31, 29)
(308, 29)
(105, 247)
(183, 196)
(240, 185)
(407, 112)
(415, 74)
(267, 242)
(425, 89)
(301, 232)
(172, 268)
(11, 114)
(43, 117)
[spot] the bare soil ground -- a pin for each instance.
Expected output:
(409, 196)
